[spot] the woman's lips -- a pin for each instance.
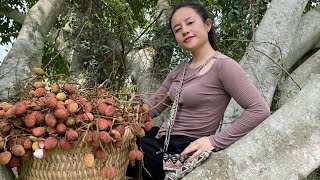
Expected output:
(188, 39)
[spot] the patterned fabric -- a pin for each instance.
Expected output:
(176, 166)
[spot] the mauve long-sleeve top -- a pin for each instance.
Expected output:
(205, 97)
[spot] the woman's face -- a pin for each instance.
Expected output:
(189, 29)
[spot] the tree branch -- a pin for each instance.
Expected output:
(14, 14)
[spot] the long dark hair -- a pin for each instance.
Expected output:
(203, 13)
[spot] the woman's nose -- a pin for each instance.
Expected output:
(185, 30)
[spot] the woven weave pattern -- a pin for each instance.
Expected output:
(61, 164)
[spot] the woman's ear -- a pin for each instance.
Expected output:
(208, 24)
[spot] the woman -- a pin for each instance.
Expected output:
(211, 80)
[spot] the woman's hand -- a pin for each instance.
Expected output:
(199, 146)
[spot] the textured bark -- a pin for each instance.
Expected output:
(306, 38)
(14, 14)
(27, 50)
(274, 38)
(139, 64)
(284, 146)
(305, 72)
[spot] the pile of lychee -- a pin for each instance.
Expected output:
(64, 116)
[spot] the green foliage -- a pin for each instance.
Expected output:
(52, 62)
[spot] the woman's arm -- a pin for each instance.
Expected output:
(238, 85)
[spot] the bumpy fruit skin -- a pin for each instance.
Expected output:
(39, 84)
(61, 96)
(18, 150)
(5, 157)
(72, 135)
(38, 131)
(65, 144)
(69, 88)
(14, 162)
(61, 113)
(50, 143)
(139, 155)
(55, 88)
(51, 102)
(109, 111)
(132, 155)
(105, 137)
(88, 160)
(108, 172)
(72, 107)
(30, 120)
(100, 153)
(38, 71)
(61, 128)
(51, 120)
(104, 124)
(39, 92)
(20, 108)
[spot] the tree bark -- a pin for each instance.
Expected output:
(14, 14)
(301, 75)
(284, 146)
(274, 38)
(27, 50)
(306, 38)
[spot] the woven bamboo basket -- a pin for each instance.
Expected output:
(61, 164)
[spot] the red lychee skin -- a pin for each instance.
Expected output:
(72, 135)
(27, 143)
(30, 120)
(72, 107)
(104, 124)
(51, 120)
(100, 153)
(39, 84)
(87, 107)
(52, 102)
(38, 131)
(69, 88)
(20, 108)
(14, 162)
(121, 128)
(88, 159)
(108, 172)
(102, 108)
(87, 117)
(61, 113)
(109, 111)
(61, 128)
(50, 143)
(39, 117)
(65, 144)
(51, 95)
(105, 137)
(39, 92)
(18, 150)
(132, 155)
(139, 155)
(5, 157)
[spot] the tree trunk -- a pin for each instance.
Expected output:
(302, 75)
(27, 50)
(284, 146)
(274, 38)
(306, 38)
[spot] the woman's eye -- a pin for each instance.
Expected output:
(177, 30)
(191, 22)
